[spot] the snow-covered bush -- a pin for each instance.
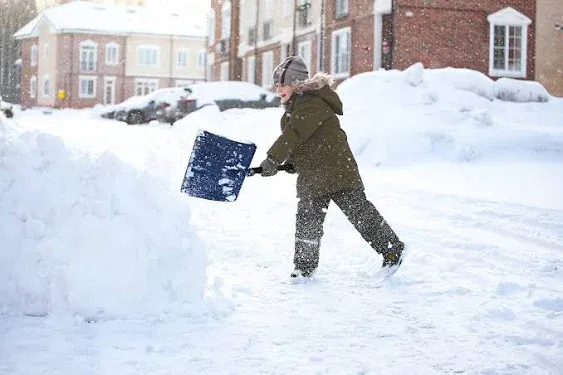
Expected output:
(513, 90)
(90, 236)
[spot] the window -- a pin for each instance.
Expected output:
(145, 86)
(267, 30)
(33, 55)
(209, 72)
(148, 56)
(304, 13)
(112, 54)
(508, 43)
(267, 68)
(46, 50)
(304, 50)
(88, 58)
(46, 85)
(211, 27)
(287, 5)
(224, 73)
(183, 82)
(251, 36)
(268, 9)
(226, 20)
(201, 59)
(87, 87)
(251, 69)
(182, 58)
(341, 53)
(33, 87)
(341, 8)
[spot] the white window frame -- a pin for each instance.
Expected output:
(148, 56)
(91, 50)
(211, 26)
(112, 46)
(308, 49)
(267, 69)
(287, 7)
(86, 95)
(226, 15)
(33, 55)
(337, 33)
(33, 87)
(224, 71)
(182, 55)
(201, 59)
(88, 45)
(268, 10)
(509, 18)
(46, 86)
(146, 86)
(250, 68)
(341, 8)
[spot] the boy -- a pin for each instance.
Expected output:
(313, 141)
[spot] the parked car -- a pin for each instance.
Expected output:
(143, 109)
(6, 108)
(225, 95)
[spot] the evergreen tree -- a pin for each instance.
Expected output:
(14, 14)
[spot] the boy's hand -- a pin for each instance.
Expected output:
(269, 167)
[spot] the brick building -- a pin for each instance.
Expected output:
(346, 37)
(81, 54)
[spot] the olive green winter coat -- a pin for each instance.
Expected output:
(314, 142)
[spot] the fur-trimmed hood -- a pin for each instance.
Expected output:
(319, 85)
(317, 82)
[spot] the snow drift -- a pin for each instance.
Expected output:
(90, 236)
(397, 117)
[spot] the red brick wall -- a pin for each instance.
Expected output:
(27, 72)
(360, 21)
(68, 72)
(442, 33)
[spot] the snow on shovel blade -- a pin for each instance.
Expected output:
(217, 167)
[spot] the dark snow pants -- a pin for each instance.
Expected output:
(311, 213)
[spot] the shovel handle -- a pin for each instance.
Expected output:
(284, 167)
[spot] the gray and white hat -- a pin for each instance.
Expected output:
(293, 69)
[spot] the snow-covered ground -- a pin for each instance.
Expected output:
(105, 268)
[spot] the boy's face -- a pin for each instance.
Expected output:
(284, 92)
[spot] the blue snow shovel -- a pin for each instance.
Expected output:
(218, 167)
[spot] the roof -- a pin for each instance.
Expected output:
(84, 17)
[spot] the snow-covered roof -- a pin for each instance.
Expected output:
(83, 17)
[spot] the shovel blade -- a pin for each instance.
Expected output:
(217, 167)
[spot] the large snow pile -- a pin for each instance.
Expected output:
(447, 115)
(90, 236)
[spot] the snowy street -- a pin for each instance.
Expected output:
(480, 290)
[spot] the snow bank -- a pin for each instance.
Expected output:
(90, 236)
(513, 90)
(397, 117)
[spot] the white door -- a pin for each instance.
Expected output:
(109, 90)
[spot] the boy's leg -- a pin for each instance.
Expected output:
(311, 213)
(368, 221)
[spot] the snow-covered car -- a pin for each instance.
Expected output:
(226, 95)
(143, 109)
(6, 108)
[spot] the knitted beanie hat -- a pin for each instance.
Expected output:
(293, 69)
